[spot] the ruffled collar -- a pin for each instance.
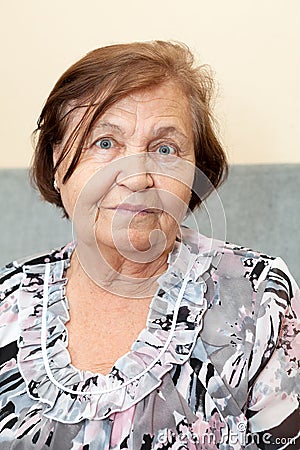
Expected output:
(62, 403)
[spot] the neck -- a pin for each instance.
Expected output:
(110, 271)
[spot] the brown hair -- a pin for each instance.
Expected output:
(103, 77)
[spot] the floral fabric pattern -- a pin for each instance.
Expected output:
(228, 379)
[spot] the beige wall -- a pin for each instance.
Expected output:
(252, 45)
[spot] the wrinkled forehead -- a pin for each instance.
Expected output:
(165, 102)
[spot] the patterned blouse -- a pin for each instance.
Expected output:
(219, 359)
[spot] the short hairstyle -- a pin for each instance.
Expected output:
(103, 77)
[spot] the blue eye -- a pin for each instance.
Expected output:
(104, 143)
(166, 150)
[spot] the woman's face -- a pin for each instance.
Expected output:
(135, 172)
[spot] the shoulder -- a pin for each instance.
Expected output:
(11, 274)
(234, 261)
(252, 299)
(237, 265)
(257, 289)
(12, 277)
(17, 266)
(263, 272)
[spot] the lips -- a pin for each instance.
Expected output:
(135, 208)
(131, 208)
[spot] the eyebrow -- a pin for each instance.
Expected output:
(108, 125)
(173, 131)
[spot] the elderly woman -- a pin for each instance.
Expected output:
(142, 334)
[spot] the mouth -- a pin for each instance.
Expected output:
(127, 208)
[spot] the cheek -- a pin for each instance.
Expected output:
(174, 196)
(69, 195)
(86, 188)
(176, 188)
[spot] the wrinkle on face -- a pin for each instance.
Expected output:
(136, 122)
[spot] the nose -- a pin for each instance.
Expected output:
(134, 172)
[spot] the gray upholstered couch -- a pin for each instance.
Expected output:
(261, 203)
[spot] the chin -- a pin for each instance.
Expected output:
(140, 240)
(141, 246)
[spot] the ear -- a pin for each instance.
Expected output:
(55, 156)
